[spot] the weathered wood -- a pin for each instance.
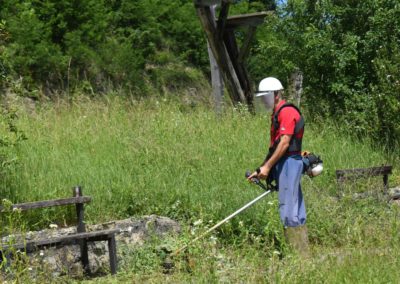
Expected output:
(353, 174)
(223, 14)
(103, 235)
(222, 42)
(216, 78)
(49, 203)
(241, 72)
(216, 81)
(296, 86)
(221, 55)
(386, 182)
(81, 237)
(77, 192)
(206, 3)
(31, 246)
(350, 174)
(112, 251)
(245, 48)
(253, 19)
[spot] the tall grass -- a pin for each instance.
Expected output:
(186, 162)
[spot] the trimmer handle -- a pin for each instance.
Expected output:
(255, 180)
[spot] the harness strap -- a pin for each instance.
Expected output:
(295, 143)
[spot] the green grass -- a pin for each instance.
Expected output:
(187, 163)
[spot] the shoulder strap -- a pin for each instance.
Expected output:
(275, 121)
(288, 105)
(295, 143)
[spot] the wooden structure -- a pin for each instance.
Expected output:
(81, 237)
(220, 32)
(353, 174)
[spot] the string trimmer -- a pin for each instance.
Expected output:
(268, 188)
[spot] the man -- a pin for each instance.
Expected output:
(284, 162)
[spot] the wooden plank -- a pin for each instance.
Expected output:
(233, 50)
(253, 19)
(80, 210)
(386, 183)
(112, 252)
(245, 48)
(206, 3)
(349, 174)
(221, 55)
(50, 203)
(216, 81)
(30, 246)
(223, 14)
(216, 77)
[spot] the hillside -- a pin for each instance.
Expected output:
(184, 162)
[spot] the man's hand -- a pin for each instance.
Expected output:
(263, 174)
(270, 163)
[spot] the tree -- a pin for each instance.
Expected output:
(348, 52)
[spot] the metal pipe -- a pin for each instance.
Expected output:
(222, 222)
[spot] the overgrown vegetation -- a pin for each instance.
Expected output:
(347, 50)
(349, 55)
(58, 46)
(155, 156)
(129, 119)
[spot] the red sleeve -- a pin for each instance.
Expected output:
(287, 120)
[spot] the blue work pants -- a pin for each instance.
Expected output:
(287, 174)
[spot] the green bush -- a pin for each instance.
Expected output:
(349, 55)
(58, 44)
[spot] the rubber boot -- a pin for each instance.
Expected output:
(297, 237)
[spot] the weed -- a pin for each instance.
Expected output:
(153, 157)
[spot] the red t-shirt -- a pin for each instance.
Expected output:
(287, 118)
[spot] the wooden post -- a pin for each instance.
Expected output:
(77, 192)
(222, 42)
(386, 184)
(240, 69)
(245, 48)
(221, 55)
(112, 252)
(216, 79)
(297, 86)
(222, 17)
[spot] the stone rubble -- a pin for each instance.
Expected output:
(66, 259)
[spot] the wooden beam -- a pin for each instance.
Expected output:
(49, 203)
(253, 19)
(360, 173)
(217, 81)
(81, 228)
(242, 74)
(206, 3)
(244, 50)
(221, 55)
(30, 246)
(223, 15)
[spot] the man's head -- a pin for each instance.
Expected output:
(270, 90)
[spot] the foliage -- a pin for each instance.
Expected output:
(10, 137)
(62, 44)
(348, 52)
(154, 156)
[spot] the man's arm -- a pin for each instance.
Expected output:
(279, 152)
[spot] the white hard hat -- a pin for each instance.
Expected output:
(268, 85)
